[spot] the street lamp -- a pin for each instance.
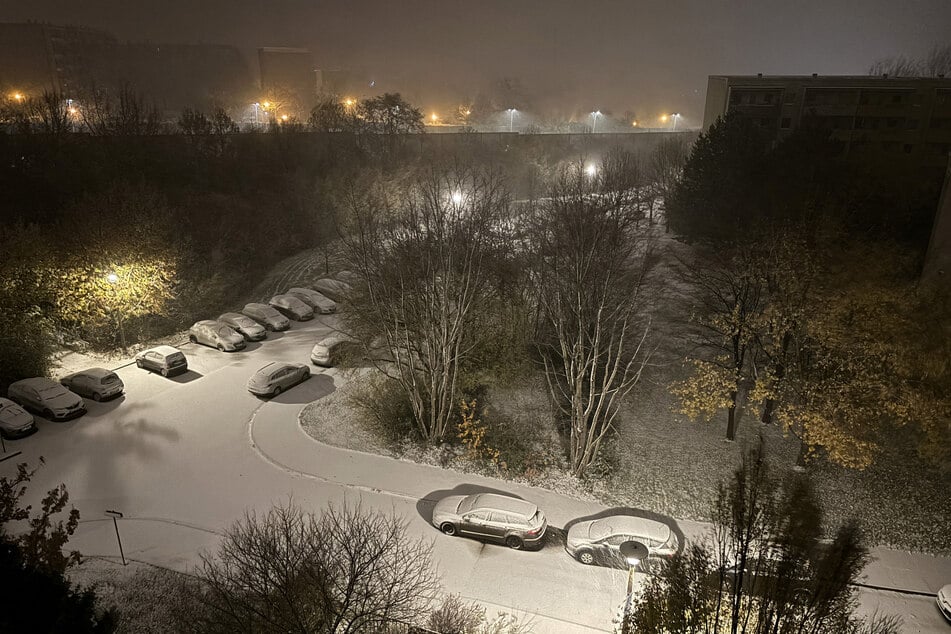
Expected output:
(434, 118)
(633, 552)
(511, 112)
(256, 105)
(591, 170)
(594, 126)
(113, 279)
(676, 116)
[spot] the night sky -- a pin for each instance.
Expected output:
(646, 57)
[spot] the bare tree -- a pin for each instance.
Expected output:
(666, 163)
(426, 252)
(51, 114)
(936, 63)
(590, 259)
(347, 570)
(125, 114)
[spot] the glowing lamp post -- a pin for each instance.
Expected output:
(594, 125)
(634, 553)
(676, 117)
(512, 112)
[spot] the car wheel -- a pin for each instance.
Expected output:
(165, 372)
(193, 338)
(96, 396)
(277, 390)
(138, 363)
(220, 347)
(448, 528)
(513, 542)
(305, 375)
(47, 413)
(586, 557)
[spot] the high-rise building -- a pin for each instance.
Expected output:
(36, 57)
(908, 117)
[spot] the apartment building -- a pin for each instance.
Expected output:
(908, 117)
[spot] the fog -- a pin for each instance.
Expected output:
(567, 58)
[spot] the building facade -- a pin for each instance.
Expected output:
(906, 117)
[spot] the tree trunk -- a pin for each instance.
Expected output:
(767, 417)
(731, 418)
(803, 451)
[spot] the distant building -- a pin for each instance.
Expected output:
(907, 117)
(288, 77)
(36, 57)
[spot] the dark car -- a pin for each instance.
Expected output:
(491, 517)
(99, 384)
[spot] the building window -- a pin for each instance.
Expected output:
(907, 147)
(911, 124)
(786, 123)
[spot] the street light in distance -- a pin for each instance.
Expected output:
(634, 553)
(595, 115)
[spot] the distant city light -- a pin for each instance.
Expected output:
(591, 170)
(512, 112)
(663, 118)
(595, 115)
(266, 105)
(18, 96)
(283, 117)
(457, 198)
(434, 117)
(348, 102)
(634, 123)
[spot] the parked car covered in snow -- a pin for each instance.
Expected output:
(334, 289)
(349, 277)
(318, 301)
(944, 601)
(491, 517)
(15, 422)
(276, 377)
(267, 316)
(599, 541)
(99, 384)
(165, 360)
(213, 333)
(244, 325)
(291, 307)
(331, 349)
(47, 398)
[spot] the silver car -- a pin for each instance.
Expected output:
(245, 326)
(334, 289)
(216, 334)
(15, 422)
(944, 601)
(276, 377)
(315, 300)
(166, 360)
(599, 541)
(47, 398)
(291, 307)
(99, 384)
(491, 517)
(267, 316)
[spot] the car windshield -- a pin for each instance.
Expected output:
(466, 505)
(244, 322)
(225, 331)
(270, 312)
(109, 378)
(52, 390)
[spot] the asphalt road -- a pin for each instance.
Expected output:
(184, 457)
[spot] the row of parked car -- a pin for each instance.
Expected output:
(519, 524)
(63, 400)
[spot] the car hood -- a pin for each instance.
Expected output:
(233, 339)
(448, 507)
(63, 400)
(14, 417)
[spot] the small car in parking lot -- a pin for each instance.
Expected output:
(491, 517)
(47, 398)
(334, 289)
(166, 360)
(291, 307)
(348, 277)
(276, 377)
(15, 422)
(99, 384)
(599, 541)
(244, 325)
(331, 349)
(215, 334)
(267, 316)
(319, 302)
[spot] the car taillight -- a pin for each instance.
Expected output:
(534, 531)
